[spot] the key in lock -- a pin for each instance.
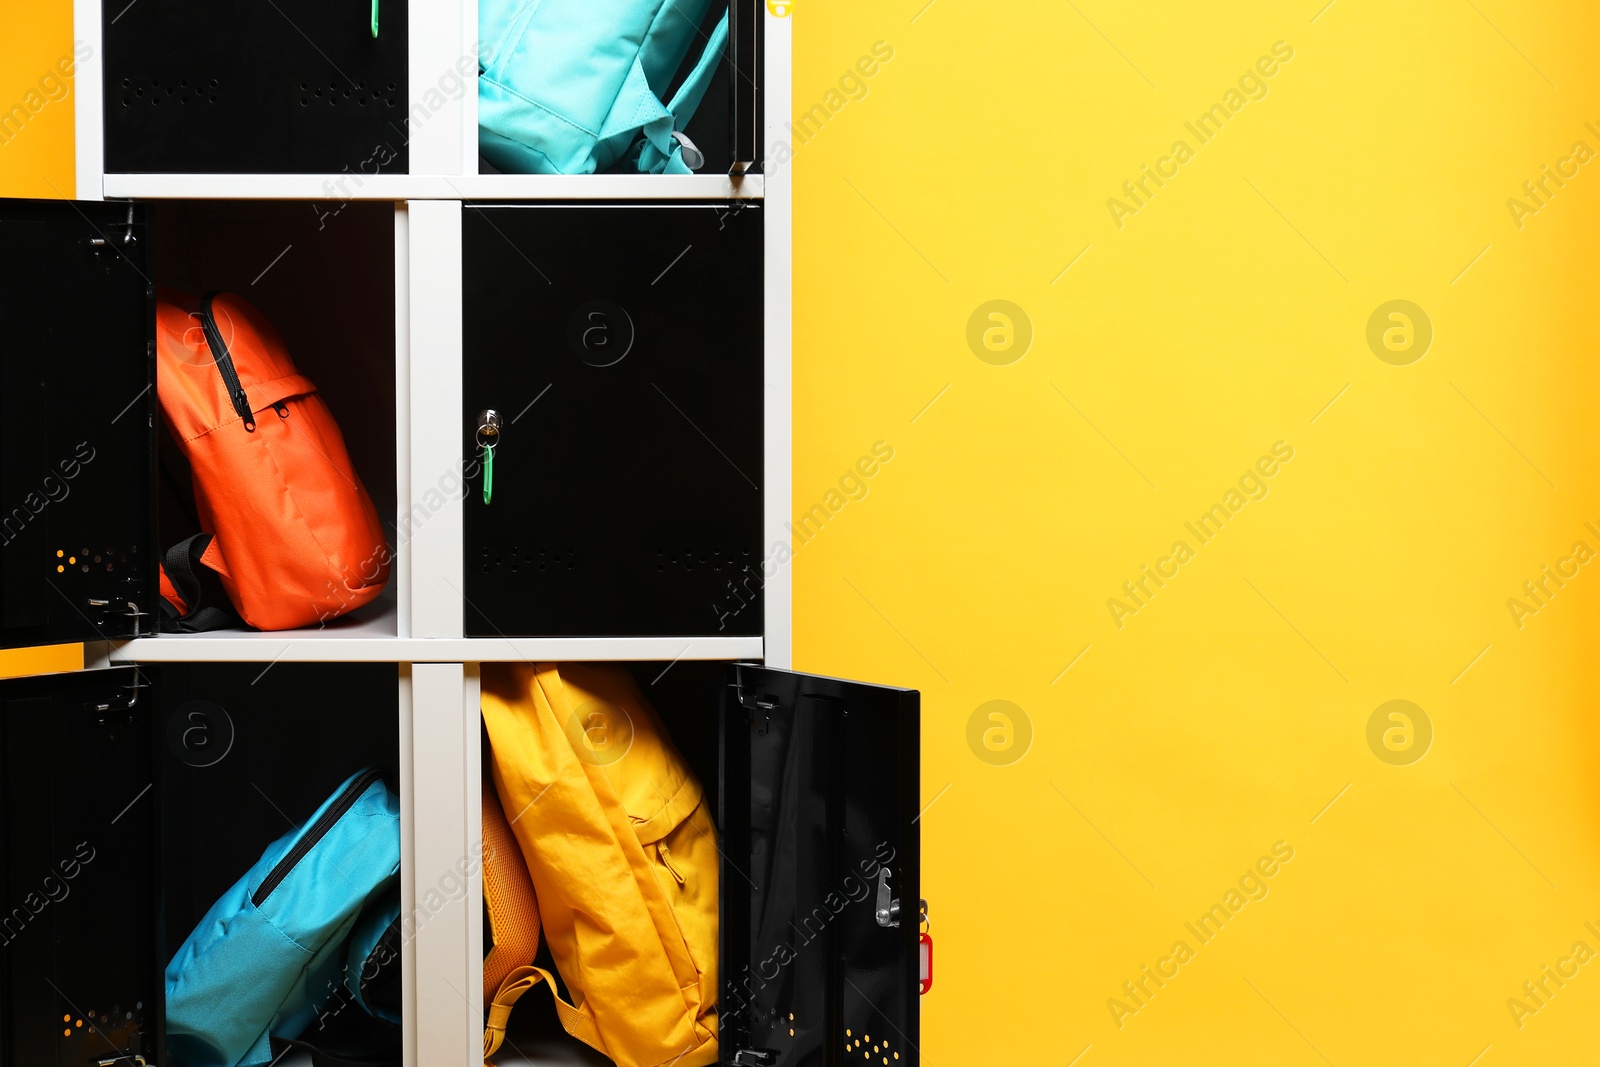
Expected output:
(488, 438)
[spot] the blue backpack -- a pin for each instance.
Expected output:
(271, 953)
(574, 86)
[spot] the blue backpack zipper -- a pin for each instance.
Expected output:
(318, 830)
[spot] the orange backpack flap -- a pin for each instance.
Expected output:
(622, 853)
(296, 539)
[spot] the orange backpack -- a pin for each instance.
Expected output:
(287, 525)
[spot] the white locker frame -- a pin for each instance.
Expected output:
(440, 776)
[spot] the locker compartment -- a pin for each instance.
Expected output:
(323, 275)
(247, 755)
(620, 347)
(132, 799)
(289, 87)
(726, 127)
(814, 782)
(86, 510)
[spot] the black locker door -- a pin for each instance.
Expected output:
(268, 87)
(77, 423)
(80, 974)
(621, 347)
(820, 875)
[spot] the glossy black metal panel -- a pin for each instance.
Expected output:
(278, 87)
(80, 976)
(77, 408)
(621, 347)
(819, 797)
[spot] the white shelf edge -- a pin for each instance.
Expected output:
(303, 647)
(330, 187)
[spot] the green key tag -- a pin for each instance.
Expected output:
(488, 473)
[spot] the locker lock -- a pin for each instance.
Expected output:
(488, 437)
(888, 911)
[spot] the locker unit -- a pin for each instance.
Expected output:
(619, 346)
(133, 798)
(289, 87)
(94, 490)
(631, 334)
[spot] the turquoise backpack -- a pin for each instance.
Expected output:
(271, 953)
(574, 86)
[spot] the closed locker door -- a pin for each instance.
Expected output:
(277, 87)
(80, 974)
(821, 871)
(77, 418)
(619, 347)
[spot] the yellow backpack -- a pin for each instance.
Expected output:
(623, 858)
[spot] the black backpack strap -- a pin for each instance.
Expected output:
(182, 567)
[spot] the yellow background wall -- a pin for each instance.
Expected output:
(37, 160)
(1223, 316)
(1150, 765)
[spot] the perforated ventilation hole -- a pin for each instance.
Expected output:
(392, 87)
(150, 91)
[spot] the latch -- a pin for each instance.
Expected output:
(758, 707)
(118, 238)
(754, 1057)
(888, 911)
(126, 700)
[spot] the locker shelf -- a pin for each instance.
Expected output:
(340, 187)
(369, 637)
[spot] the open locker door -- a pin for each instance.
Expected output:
(820, 876)
(80, 976)
(77, 425)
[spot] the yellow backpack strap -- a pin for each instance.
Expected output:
(513, 921)
(575, 1021)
